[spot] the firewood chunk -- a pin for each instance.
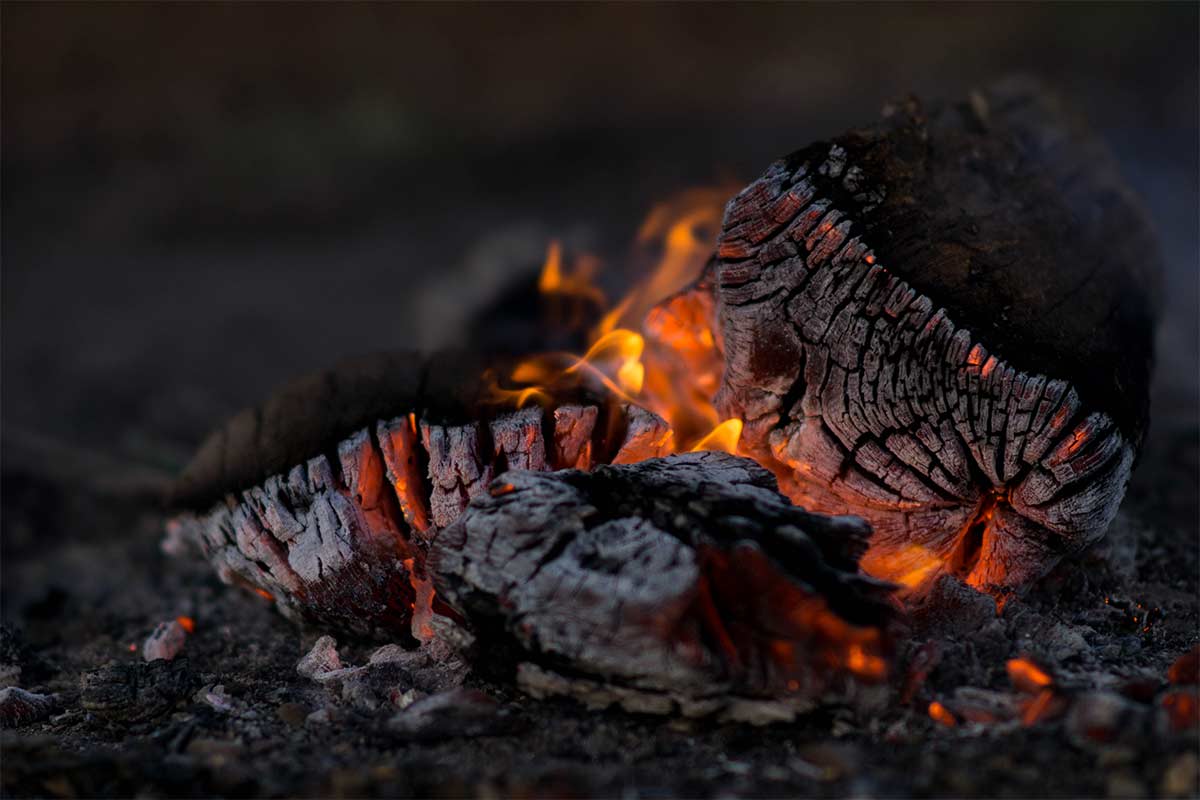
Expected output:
(685, 577)
(943, 324)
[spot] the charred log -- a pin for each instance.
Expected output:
(943, 323)
(681, 582)
(391, 452)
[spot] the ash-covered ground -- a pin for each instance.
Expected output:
(181, 239)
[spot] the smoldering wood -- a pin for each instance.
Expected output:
(682, 581)
(647, 435)
(165, 641)
(339, 538)
(944, 323)
(573, 428)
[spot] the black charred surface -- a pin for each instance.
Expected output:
(1013, 216)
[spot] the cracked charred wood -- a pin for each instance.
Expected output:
(323, 499)
(944, 324)
(679, 583)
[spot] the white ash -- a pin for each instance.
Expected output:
(321, 659)
(393, 677)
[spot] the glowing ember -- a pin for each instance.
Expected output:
(908, 566)
(650, 349)
(1186, 668)
(1027, 676)
(939, 713)
(187, 623)
(1045, 706)
(1183, 710)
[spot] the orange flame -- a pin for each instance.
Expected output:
(658, 348)
(908, 566)
(724, 437)
(662, 357)
(187, 623)
(570, 294)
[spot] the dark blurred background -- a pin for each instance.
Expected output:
(203, 200)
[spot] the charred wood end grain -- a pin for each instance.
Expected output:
(943, 323)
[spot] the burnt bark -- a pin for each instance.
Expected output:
(687, 578)
(943, 323)
(338, 538)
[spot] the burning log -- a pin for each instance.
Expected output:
(682, 583)
(323, 500)
(943, 324)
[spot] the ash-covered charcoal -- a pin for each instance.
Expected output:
(136, 691)
(165, 642)
(682, 583)
(323, 499)
(19, 707)
(944, 324)
(452, 714)
(392, 677)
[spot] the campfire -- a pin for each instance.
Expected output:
(890, 383)
(836, 448)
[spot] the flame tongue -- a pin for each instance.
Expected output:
(670, 364)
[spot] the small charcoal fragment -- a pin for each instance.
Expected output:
(135, 692)
(321, 659)
(456, 713)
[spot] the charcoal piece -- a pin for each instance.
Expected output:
(19, 707)
(136, 691)
(944, 324)
(688, 576)
(337, 536)
(165, 642)
(452, 714)
(321, 659)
